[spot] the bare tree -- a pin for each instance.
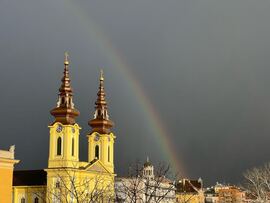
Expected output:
(136, 188)
(257, 183)
(68, 186)
(186, 198)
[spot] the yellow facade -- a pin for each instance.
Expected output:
(68, 135)
(105, 144)
(29, 194)
(6, 184)
(7, 162)
(79, 183)
(66, 171)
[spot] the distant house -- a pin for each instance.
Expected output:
(225, 194)
(211, 196)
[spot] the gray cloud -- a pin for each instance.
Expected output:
(203, 64)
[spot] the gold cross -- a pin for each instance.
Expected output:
(66, 58)
(101, 75)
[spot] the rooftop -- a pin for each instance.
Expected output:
(29, 178)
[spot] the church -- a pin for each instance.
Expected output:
(67, 179)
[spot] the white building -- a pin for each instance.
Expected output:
(145, 187)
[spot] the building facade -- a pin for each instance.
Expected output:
(67, 179)
(7, 163)
(225, 194)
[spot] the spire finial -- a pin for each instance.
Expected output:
(101, 122)
(101, 75)
(147, 159)
(65, 112)
(66, 62)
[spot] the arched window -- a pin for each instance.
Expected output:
(22, 200)
(57, 184)
(59, 146)
(72, 147)
(97, 152)
(36, 200)
(109, 154)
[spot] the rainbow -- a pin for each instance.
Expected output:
(117, 59)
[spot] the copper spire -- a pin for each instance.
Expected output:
(101, 122)
(65, 112)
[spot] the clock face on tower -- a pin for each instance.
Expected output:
(59, 128)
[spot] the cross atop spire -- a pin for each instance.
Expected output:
(65, 86)
(66, 62)
(101, 122)
(101, 75)
(65, 112)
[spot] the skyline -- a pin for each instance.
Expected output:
(198, 68)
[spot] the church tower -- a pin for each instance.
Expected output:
(64, 131)
(148, 170)
(101, 139)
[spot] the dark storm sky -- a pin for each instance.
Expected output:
(204, 64)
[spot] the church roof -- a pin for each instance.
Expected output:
(29, 178)
(89, 164)
(97, 166)
(147, 163)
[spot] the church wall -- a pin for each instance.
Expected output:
(83, 180)
(29, 193)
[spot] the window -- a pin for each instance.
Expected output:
(23, 200)
(36, 200)
(72, 147)
(97, 152)
(59, 146)
(109, 154)
(57, 184)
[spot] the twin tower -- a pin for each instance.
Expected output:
(64, 131)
